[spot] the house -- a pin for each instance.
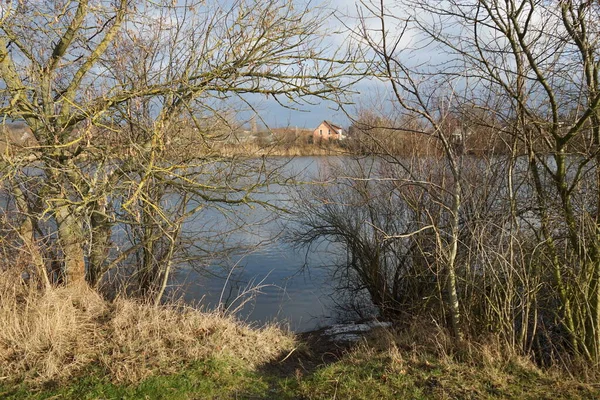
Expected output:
(328, 131)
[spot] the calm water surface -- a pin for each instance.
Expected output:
(295, 288)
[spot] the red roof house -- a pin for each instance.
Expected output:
(328, 131)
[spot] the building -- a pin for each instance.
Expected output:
(328, 131)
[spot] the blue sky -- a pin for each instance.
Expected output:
(369, 94)
(310, 116)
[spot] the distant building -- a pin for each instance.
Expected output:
(328, 131)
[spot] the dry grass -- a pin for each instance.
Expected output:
(421, 338)
(295, 150)
(421, 361)
(56, 334)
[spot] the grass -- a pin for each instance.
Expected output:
(58, 334)
(374, 375)
(278, 150)
(360, 373)
(209, 379)
(366, 371)
(69, 343)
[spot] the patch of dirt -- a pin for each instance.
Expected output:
(314, 349)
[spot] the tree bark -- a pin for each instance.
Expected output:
(101, 230)
(71, 241)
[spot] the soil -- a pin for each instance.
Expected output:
(315, 349)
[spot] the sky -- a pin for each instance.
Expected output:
(310, 116)
(368, 93)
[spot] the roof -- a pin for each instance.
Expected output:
(332, 126)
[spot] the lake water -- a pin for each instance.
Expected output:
(294, 284)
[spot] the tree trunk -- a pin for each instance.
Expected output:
(27, 234)
(71, 241)
(451, 286)
(101, 229)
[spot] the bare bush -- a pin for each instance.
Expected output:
(390, 219)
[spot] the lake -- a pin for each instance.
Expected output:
(293, 285)
(296, 286)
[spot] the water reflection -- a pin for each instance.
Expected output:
(289, 285)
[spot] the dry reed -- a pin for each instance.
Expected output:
(56, 334)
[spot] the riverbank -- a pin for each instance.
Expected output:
(69, 343)
(293, 150)
(58, 335)
(316, 371)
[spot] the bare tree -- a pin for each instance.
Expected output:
(532, 68)
(105, 88)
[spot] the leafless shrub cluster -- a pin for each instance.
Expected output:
(391, 220)
(511, 239)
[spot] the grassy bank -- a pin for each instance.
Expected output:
(366, 371)
(57, 335)
(70, 343)
(294, 150)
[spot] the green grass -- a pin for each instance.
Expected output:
(213, 379)
(53, 348)
(374, 376)
(360, 374)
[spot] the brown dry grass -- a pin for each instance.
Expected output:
(295, 150)
(485, 355)
(56, 334)
(419, 338)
